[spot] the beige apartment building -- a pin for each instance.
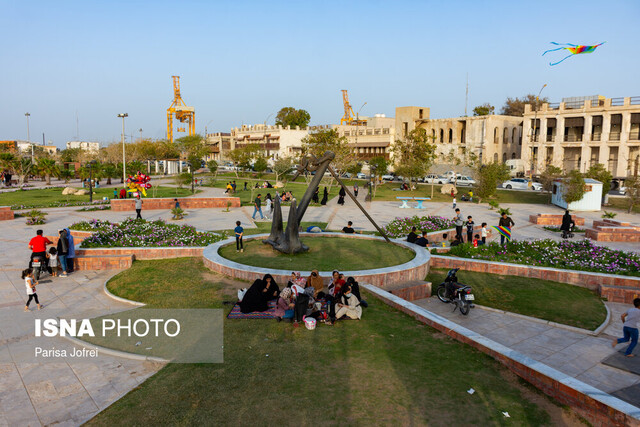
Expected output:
(490, 138)
(374, 139)
(217, 142)
(579, 133)
(276, 141)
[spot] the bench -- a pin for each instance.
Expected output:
(405, 205)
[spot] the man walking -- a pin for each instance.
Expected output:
(457, 220)
(257, 207)
(507, 223)
(138, 207)
(630, 328)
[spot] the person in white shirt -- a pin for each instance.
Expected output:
(630, 328)
(30, 284)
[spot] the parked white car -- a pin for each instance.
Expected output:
(521, 184)
(361, 175)
(388, 177)
(462, 181)
(433, 178)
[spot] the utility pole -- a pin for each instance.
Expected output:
(140, 130)
(466, 96)
(124, 163)
(28, 135)
(533, 136)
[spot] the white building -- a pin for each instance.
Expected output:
(276, 141)
(591, 201)
(84, 145)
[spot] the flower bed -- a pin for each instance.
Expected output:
(95, 208)
(556, 229)
(140, 233)
(400, 227)
(60, 204)
(571, 255)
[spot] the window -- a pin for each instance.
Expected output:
(450, 136)
(495, 158)
(504, 157)
(513, 156)
(505, 135)
(495, 136)
(513, 136)
(441, 135)
(405, 128)
(555, 188)
(420, 113)
(433, 134)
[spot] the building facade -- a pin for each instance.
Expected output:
(276, 141)
(84, 145)
(579, 133)
(374, 139)
(490, 138)
(217, 142)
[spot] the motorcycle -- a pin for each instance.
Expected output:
(39, 265)
(568, 234)
(452, 292)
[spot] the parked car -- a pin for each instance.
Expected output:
(360, 175)
(388, 177)
(521, 184)
(433, 178)
(462, 180)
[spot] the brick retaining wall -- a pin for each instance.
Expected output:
(143, 253)
(111, 262)
(599, 408)
(169, 203)
(6, 213)
(553, 219)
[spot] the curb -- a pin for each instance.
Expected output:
(117, 353)
(594, 333)
(120, 299)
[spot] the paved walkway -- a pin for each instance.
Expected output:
(570, 352)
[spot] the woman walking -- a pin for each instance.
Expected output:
(325, 197)
(341, 195)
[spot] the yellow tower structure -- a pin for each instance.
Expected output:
(182, 112)
(348, 118)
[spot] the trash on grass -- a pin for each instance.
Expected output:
(471, 391)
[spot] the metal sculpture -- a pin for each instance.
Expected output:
(288, 240)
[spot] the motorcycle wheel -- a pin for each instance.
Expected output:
(442, 294)
(36, 274)
(465, 307)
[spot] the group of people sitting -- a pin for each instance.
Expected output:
(306, 297)
(265, 184)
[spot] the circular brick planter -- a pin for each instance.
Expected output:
(414, 270)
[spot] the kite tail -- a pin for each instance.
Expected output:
(556, 63)
(553, 50)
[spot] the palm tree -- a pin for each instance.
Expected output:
(47, 167)
(109, 171)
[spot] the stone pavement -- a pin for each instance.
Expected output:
(573, 353)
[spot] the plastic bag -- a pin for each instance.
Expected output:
(241, 293)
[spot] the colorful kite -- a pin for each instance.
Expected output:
(504, 231)
(574, 49)
(138, 183)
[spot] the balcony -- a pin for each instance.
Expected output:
(573, 138)
(550, 137)
(614, 136)
(634, 135)
(369, 156)
(596, 136)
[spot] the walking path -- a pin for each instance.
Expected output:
(570, 352)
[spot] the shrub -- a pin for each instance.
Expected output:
(400, 227)
(493, 204)
(610, 215)
(502, 211)
(35, 217)
(178, 213)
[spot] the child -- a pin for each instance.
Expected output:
(483, 233)
(27, 275)
(239, 233)
(454, 202)
(53, 261)
(476, 241)
(470, 225)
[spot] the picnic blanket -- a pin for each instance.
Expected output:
(235, 312)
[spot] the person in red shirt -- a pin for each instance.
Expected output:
(123, 193)
(38, 246)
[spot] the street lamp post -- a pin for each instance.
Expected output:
(91, 163)
(140, 130)
(533, 137)
(27, 115)
(124, 164)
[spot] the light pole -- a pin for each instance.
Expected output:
(91, 163)
(124, 164)
(27, 115)
(533, 138)
(140, 130)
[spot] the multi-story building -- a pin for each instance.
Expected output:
(580, 132)
(84, 145)
(276, 141)
(374, 139)
(490, 138)
(217, 142)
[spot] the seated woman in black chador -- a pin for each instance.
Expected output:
(259, 294)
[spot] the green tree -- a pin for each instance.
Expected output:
(46, 168)
(324, 140)
(355, 168)
(289, 116)
(573, 187)
(66, 174)
(632, 194)
(489, 176)
(71, 155)
(213, 166)
(600, 173)
(414, 156)
(109, 171)
(378, 166)
(282, 165)
(484, 109)
(515, 106)
(550, 174)
(260, 165)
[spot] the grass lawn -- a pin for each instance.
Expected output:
(385, 369)
(622, 204)
(45, 197)
(247, 196)
(325, 254)
(544, 299)
(389, 192)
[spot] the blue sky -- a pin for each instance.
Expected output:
(241, 61)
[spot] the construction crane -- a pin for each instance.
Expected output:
(348, 118)
(182, 112)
